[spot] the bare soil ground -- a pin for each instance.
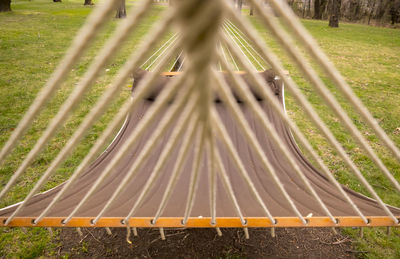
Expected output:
(205, 243)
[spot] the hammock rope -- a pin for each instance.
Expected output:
(311, 74)
(312, 46)
(192, 118)
(239, 83)
(243, 37)
(158, 104)
(292, 86)
(85, 36)
(169, 117)
(100, 108)
(244, 45)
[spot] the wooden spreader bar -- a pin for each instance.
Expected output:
(175, 222)
(177, 73)
(236, 72)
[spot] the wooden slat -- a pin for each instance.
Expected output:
(177, 73)
(236, 72)
(175, 222)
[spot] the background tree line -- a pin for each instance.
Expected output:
(365, 11)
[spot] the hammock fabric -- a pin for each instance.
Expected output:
(200, 215)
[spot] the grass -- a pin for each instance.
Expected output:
(34, 37)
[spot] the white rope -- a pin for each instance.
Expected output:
(176, 60)
(162, 234)
(199, 59)
(159, 103)
(83, 86)
(240, 40)
(173, 37)
(96, 112)
(264, 89)
(273, 232)
(167, 119)
(232, 150)
(233, 59)
(237, 45)
(226, 58)
(257, 148)
(312, 46)
(227, 184)
(79, 231)
(212, 178)
(246, 233)
(177, 170)
(300, 60)
(162, 53)
(270, 131)
(85, 36)
(245, 39)
(173, 140)
(135, 232)
(200, 56)
(198, 150)
(128, 234)
(223, 53)
(274, 62)
(181, 65)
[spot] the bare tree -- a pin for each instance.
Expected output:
(319, 8)
(239, 5)
(334, 12)
(5, 5)
(395, 12)
(251, 9)
(121, 10)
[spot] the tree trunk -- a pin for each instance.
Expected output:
(5, 5)
(371, 12)
(121, 10)
(88, 2)
(240, 5)
(317, 10)
(334, 13)
(251, 10)
(395, 12)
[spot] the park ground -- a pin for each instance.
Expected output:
(33, 39)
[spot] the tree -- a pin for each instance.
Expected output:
(5, 5)
(121, 10)
(88, 2)
(395, 12)
(57, 1)
(319, 8)
(251, 9)
(239, 5)
(334, 12)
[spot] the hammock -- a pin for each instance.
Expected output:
(201, 148)
(174, 209)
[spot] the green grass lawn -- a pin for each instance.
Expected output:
(34, 37)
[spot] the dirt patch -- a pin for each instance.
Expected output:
(205, 243)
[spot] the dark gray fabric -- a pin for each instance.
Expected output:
(274, 200)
